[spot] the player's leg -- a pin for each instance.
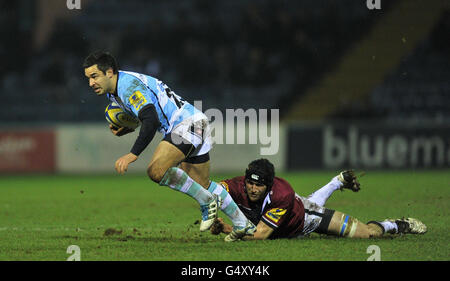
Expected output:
(326, 221)
(191, 137)
(199, 170)
(345, 179)
(401, 226)
(162, 169)
(241, 224)
(339, 224)
(347, 226)
(177, 146)
(344, 225)
(166, 155)
(197, 167)
(321, 195)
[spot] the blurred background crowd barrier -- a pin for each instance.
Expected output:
(355, 87)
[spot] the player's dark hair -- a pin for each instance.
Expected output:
(261, 171)
(103, 60)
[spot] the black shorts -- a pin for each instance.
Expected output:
(187, 148)
(325, 222)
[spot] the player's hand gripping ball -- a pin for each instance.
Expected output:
(118, 118)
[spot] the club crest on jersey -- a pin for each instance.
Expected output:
(137, 100)
(275, 214)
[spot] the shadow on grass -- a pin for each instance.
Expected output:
(331, 237)
(204, 238)
(145, 239)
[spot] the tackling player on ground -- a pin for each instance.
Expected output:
(181, 160)
(271, 204)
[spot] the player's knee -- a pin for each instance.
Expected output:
(362, 232)
(155, 173)
(348, 226)
(204, 182)
(374, 230)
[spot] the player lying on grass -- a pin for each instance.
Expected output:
(181, 160)
(271, 204)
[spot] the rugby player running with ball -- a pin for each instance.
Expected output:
(181, 160)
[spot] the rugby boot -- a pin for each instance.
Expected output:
(210, 212)
(409, 225)
(349, 181)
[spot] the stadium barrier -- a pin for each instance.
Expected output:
(91, 148)
(30, 150)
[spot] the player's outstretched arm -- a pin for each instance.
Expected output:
(219, 226)
(263, 231)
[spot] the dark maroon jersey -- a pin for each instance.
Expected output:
(280, 209)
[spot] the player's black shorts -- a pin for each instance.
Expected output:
(188, 150)
(317, 218)
(325, 222)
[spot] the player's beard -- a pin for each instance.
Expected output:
(254, 197)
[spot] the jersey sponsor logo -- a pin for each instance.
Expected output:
(137, 100)
(275, 214)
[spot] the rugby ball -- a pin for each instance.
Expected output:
(117, 117)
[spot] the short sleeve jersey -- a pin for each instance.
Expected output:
(135, 91)
(280, 209)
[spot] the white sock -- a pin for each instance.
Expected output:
(179, 180)
(389, 227)
(229, 207)
(321, 196)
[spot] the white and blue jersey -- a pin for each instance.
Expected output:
(135, 91)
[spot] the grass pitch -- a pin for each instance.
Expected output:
(112, 217)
